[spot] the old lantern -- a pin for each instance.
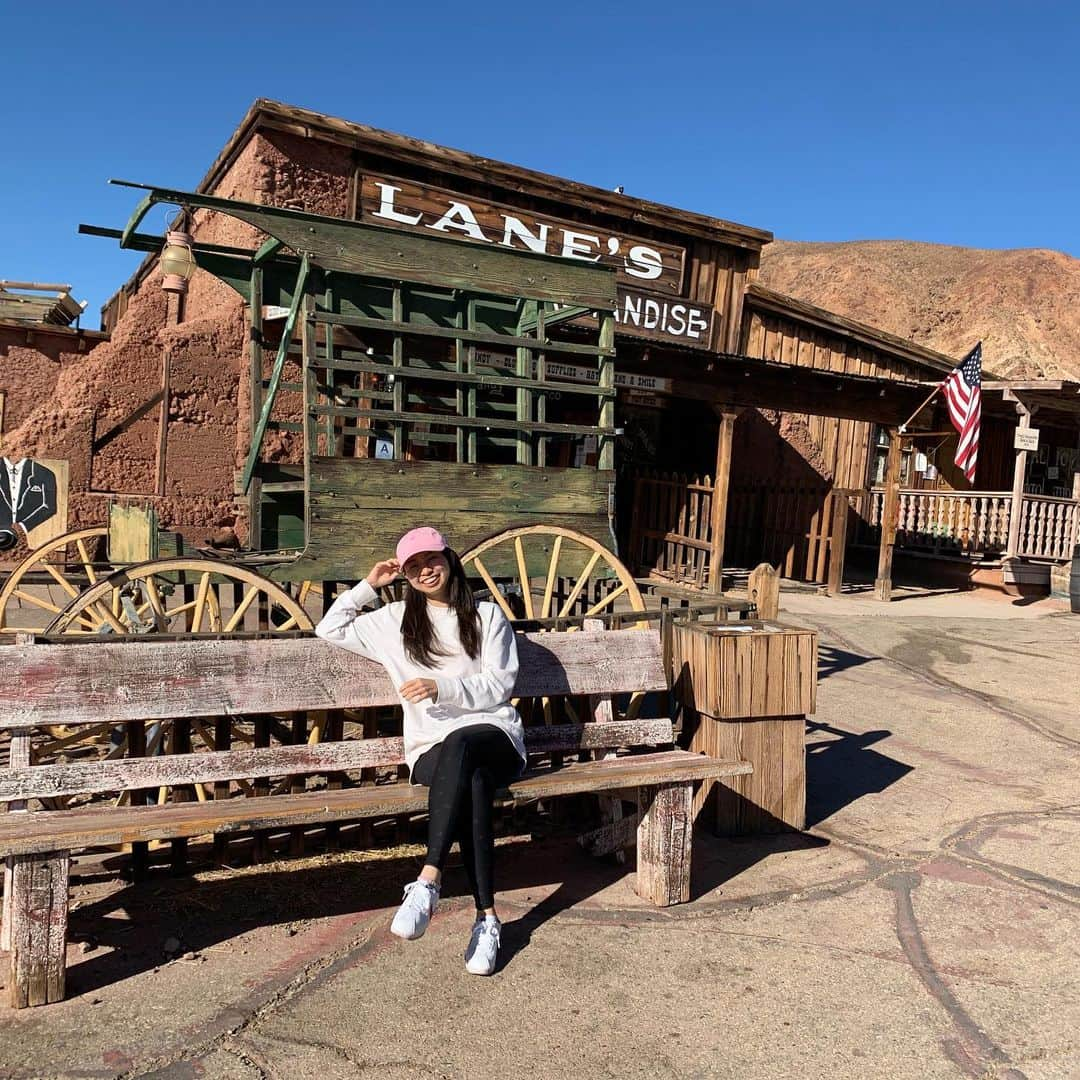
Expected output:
(177, 262)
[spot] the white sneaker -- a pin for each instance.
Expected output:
(483, 946)
(416, 909)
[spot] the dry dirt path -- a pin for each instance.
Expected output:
(927, 925)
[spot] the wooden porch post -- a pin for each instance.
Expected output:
(255, 400)
(1076, 513)
(883, 584)
(721, 483)
(837, 542)
(1016, 508)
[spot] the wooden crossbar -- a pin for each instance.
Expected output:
(140, 679)
(67, 830)
(168, 770)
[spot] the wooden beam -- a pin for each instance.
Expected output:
(664, 835)
(721, 483)
(163, 420)
(837, 542)
(118, 428)
(1016, 505)
(255, 398)
(739, 382)
(883, 584)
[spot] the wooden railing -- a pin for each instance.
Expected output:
(787, 525)
(977, 522)
(1048, 527)
(791, 526)
(947, 521)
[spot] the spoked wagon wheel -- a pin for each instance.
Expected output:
(178, 596)
(181, 596)
(549, 572)
(41, 601)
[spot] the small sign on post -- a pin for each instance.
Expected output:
(1026, 439)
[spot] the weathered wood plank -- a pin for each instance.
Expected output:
(338, 484)
(48, 831)
(664, 837)
(169, 770)
(611, 837)
(18, 758)
(335, 244)
(146, 680)
(39, 913)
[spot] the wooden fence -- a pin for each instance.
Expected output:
(977, 522)
(671, 527)
(671, 534)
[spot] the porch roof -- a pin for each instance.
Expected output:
(1058, 400)
(728, 379)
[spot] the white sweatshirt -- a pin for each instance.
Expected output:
(470, 691)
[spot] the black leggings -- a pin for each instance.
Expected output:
(463, 773)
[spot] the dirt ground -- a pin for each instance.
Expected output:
(927, 924)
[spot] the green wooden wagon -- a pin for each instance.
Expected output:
(398, 379)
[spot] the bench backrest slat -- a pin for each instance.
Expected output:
(92, 777)
(147, 680)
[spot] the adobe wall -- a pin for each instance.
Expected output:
(31, 361)
(64, 409)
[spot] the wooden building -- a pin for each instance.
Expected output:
(751, 421)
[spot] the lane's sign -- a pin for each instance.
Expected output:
(403, 204)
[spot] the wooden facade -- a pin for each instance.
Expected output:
(809, 395)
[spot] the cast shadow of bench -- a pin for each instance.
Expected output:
(129, 926)
(716, 861)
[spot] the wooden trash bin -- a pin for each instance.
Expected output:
(746, 689)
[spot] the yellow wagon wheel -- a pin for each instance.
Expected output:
(38, 604)
(181, 596)
(555, 573)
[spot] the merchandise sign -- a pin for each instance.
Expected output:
(1026, 439)
(624, 380)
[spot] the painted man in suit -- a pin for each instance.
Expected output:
(27, 498)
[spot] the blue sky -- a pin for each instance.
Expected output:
(950, 122)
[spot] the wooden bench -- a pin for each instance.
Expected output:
(136, 682)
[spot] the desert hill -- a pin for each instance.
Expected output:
(1023, 304)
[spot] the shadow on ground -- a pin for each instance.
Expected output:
(843, 768)
(126, 928)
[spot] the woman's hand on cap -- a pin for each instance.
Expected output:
(383, 573)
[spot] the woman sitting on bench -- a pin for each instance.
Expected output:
(454, 662)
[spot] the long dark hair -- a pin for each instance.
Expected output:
(416, 628)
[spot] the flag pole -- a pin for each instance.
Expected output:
(933, 394)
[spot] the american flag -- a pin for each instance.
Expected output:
(963, 395)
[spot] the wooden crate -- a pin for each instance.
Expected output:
(746, 694)
(771, 799)
(739, 670)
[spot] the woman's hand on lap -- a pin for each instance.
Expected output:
(383, 573)
(417, 690)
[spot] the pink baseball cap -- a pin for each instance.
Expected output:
(417, 540)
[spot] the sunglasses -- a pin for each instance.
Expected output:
(417, 564)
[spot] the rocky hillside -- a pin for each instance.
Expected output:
(1024, 304)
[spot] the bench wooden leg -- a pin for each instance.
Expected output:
(5, 919)
(39, 915)
(663, 844)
